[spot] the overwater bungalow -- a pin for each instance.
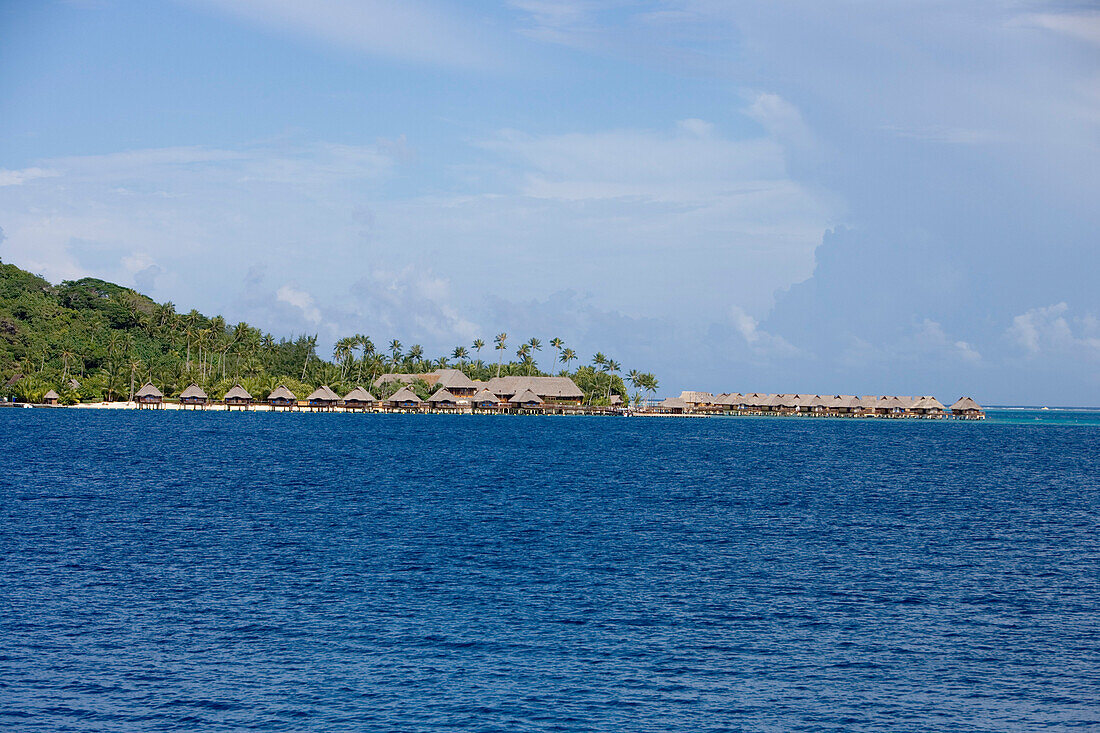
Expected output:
(455, 382)
(51, 398)
(844, 405)
(149, 397)
(967, 409)
(322, 398)
(193, 397)
(927, 407)
(672, 406)
(237, 396)
(282, 398)
(404, 399)
(359, 399)
(526, 400)
(485, 400)
(442, 399)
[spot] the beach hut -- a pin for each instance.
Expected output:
(359, 399)
(51, 398)
(193, 397)
(967, 409)
(322, 398)
(281, 397)
(149, 397)
(485, 400)
(526, 400)
(554, 390)
(404, 399)
(442, 399)
(455, 382)
(927, 407)
(237, 396)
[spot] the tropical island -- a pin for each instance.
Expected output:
(90, 340)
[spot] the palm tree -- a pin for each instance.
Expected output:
(460, 353)
(612, 368)
(416, 353)
(535, 345)
(567, 355)
(478, 346)
(501, 344)
(367, 346)
(311, 344)
(395, 352)
(342, 351)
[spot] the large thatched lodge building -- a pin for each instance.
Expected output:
(813, 405)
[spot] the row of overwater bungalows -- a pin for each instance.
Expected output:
(819, 405)
(453, 393)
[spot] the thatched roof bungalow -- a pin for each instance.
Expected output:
(51, 398)
(359, 399)
(672, 405)
(927, 407)
(548, 389)
(282, 397)
(194, 396)
(237, 396)
(322, 398)
(485, 400)
(442, 399)
(455, 382)
(967, 408)
(404, 399)
(526, 400)
(149, 396)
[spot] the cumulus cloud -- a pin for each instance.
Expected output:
(1051, 328)
(760, 343)
(301, 300)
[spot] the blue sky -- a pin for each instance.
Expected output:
(844, 197)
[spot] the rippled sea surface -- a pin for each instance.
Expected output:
(211, 571)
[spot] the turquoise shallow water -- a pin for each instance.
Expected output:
(373, 572)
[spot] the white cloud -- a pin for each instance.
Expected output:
(760, 342)
(1051, 329)
(301, 300)
(9, 177)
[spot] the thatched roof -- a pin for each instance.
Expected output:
(672, 403)
(281, 393)
(193, 392)
(927, 403)
(544, 387)
(846, 402)
(404, 395)
(869, 400)
(485, 396)
(51, 395)
(323, 393)
(149, 391)
(697, 398)
(443, 395)
(454, 378)
(965, 403)
(525, 397)
(237, 392)
(359, 395)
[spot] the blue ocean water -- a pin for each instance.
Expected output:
(205, 571)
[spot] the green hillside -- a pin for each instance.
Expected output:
(92, 340)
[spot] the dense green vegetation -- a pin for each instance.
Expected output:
(92, 340)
